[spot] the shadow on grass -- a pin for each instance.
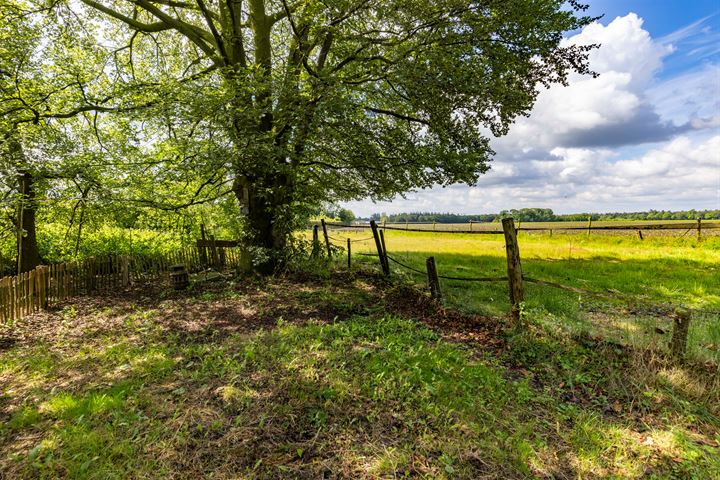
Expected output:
(311, 397)
(647, 291)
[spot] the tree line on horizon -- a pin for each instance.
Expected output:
(545, 215)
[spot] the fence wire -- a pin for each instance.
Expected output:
(648, 326)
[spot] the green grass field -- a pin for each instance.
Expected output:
(325, 373)
(709, 228)
(335, 375)
(648, 280)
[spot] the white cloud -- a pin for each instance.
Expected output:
(626, 61)
(572, 153)
(693, 97)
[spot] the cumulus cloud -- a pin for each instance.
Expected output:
(623, 140)
(610, 110)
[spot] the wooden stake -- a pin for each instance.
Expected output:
(514, 268)
(699, 228)
(327, 239)
(349, 254)
(640, 235)
(681, 325)
(378, 245)
(385, 257)
(316, 242)
(433, 280)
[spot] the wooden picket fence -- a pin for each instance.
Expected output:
(29, 292)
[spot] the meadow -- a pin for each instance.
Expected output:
(640, 282)
(336, 375)
(327, 373)
(673, 228)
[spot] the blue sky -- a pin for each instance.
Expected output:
(645, 134)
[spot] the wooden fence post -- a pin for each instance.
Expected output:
(699, 228)
(433, 280)
(378, 245)
(681, 325)
(125, 268)
(385, 256)
(349, 254)
(640, 235)
(203, 251)
(214, 253)
(44, 279)
(327, 239)
(589, 227)
(514, 268)
(316, 242)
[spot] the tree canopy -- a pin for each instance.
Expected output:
(287, 104)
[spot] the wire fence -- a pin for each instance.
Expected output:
(645, 324)
(640, 228)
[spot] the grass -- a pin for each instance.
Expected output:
(648, 278)
(336, 376)
(709, 228)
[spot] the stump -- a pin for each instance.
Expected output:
(681, 325)
(179, 277)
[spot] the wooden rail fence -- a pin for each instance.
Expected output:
(29, 292)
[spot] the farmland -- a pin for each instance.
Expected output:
(655, 228)
(645, 280)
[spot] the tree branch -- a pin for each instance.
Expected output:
(397, 115)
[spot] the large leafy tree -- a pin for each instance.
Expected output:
(327, 101)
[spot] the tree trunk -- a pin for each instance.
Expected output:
(266, 204)
(29, 255)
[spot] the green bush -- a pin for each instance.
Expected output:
(105, 240)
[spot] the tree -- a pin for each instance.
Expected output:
(327, 102)
(35, 88)
(346, 215)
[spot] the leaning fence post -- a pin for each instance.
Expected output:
(385, 256)
(349, 254)
(378, 245)
(327, 239)
(681, 325)
(640, 235)
(433, 280)
(514, 269)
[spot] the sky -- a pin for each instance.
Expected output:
(644, 134)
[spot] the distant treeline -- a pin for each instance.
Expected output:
(546, 215)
